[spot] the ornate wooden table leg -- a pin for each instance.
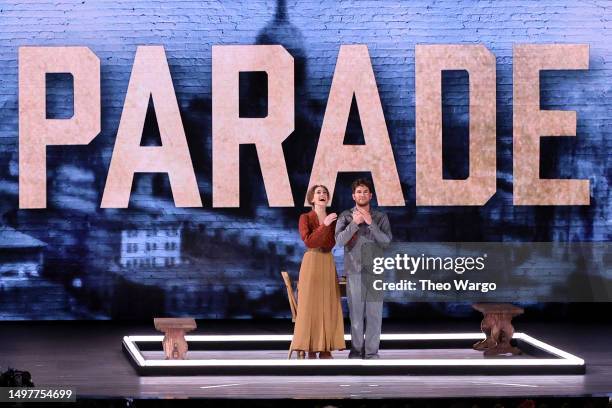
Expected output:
(175, 345)
(486, 326)
(497, 327)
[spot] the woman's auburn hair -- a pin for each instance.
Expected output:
(311, 192)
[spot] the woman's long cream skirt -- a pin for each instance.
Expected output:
(318, 325)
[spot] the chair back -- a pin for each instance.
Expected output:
(290, 294)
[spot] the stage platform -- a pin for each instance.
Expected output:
(89, 356)
(401, 354)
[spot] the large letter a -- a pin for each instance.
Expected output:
(151, 78)
(354, 76)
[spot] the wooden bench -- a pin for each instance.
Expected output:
(497, 327)
(175, 345)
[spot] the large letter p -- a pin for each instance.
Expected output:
(36, 132)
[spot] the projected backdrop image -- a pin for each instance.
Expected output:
(82, 256)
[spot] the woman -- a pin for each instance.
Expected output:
(319, 327)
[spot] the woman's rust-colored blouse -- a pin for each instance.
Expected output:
(316, 235)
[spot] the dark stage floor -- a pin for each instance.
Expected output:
(88, 356)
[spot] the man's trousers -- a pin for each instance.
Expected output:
(365, 312)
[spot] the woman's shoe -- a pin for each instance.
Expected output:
(325, 355)
(312, 355)
(300, 355)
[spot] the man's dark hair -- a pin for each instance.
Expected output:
(362, 182)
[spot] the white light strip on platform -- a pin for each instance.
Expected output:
(288, 337)
(357, 363)
(547, 347)
(134, 351)
(566, 359)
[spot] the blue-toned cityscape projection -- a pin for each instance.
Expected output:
(74, 260)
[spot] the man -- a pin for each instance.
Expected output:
(354, 228)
